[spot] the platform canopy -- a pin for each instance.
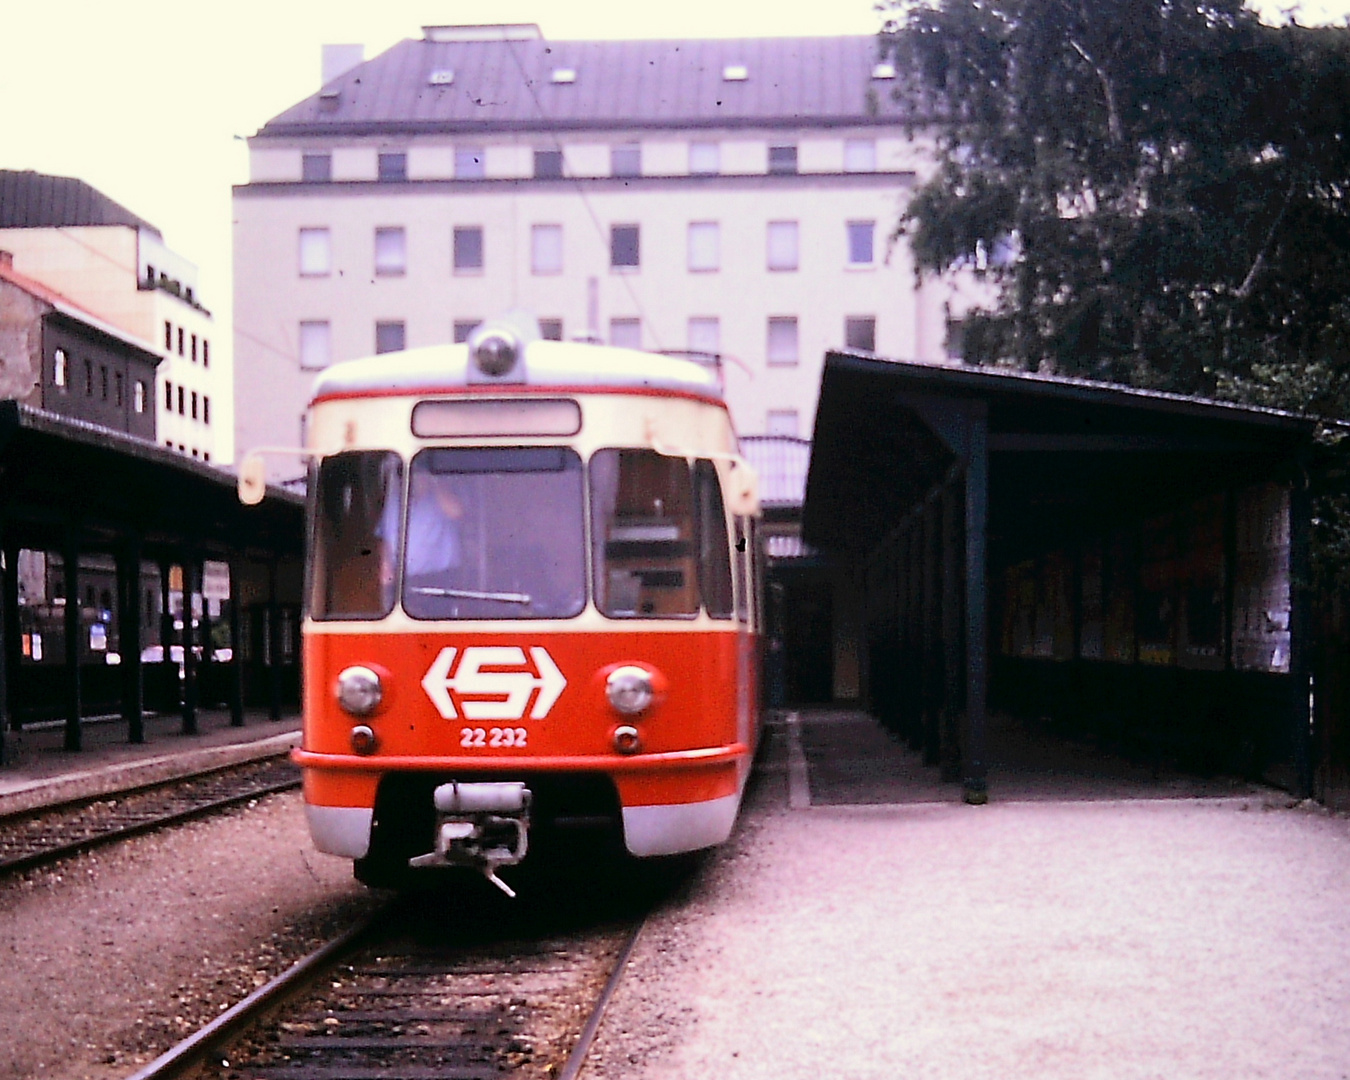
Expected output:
(941, 484)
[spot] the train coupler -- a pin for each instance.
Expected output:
(483, 826)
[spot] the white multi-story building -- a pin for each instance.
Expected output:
(67, 235)
(726, 196)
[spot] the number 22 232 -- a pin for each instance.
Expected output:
(497, 736)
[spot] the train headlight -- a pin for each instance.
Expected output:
(359, 690)
(629, 689)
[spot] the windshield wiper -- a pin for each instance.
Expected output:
(470, 594)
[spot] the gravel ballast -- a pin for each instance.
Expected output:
(109, 958)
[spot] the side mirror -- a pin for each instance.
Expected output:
(252, 479)
(743, 493)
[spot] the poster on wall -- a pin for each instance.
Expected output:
(1261, 580)
(1156, 614)
(1091, 634)
(1201, 586)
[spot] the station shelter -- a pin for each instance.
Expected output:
(1126, 565)
(134, 581)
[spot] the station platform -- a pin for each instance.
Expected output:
(1098, 917)
(39, 772)
(844, 757)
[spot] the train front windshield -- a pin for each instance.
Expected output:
(501, 533)
(495, 534)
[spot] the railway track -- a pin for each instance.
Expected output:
(432, 986)
(40, 837)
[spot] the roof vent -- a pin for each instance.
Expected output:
(564, 75)
(883, 71)
(441, 77)
(330, 93)
(735, 73)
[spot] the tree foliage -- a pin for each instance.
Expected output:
(1168, 182)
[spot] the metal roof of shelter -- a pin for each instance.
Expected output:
(513, 83)
(33, 200)
(59, 471)
(1060, 450)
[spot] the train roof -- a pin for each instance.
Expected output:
(570, 365)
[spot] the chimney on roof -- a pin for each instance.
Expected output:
(340, 59)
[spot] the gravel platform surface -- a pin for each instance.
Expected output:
(1065, 939)
(109, 958)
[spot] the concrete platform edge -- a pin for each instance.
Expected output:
(108, 779)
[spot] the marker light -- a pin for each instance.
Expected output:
(627, 740)
(363, 739)
(629, 689)
(495, 353)
(359, 690)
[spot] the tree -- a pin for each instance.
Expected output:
(1167, 183)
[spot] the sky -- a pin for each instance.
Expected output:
(150, 103)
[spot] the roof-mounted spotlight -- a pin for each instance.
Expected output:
(496, 355)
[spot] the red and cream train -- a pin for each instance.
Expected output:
(533, 604)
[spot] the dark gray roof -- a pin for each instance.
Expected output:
(31, 200)
(508, 85)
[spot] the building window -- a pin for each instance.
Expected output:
(316, 253)
(546, 249)
(103, 381)
(315, 345)
(860, 332)
(782, 246)
(138, 397)
(393, 167)
(206, 455)
(782, 344)
(389, 336)
(550, 329)
(625, 159)
(182, 401)
(860, 247)
(88, 378)
(860, 155)
(548, 164)
(704, 246)
(180, 341)
(783, 159)
(705, 158)
(782, 422)
(168, 336)
(206, 353)
(194, 404)
(206, 409)
(463, 328)
(316, 168)
(391, 251)
(705, 336)
(194, 348)
(168, 396)
(119, 396)
(468, 245)
(624, 251)
(59, 374)
(955, 343)
(625, 333)
(470, 163)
